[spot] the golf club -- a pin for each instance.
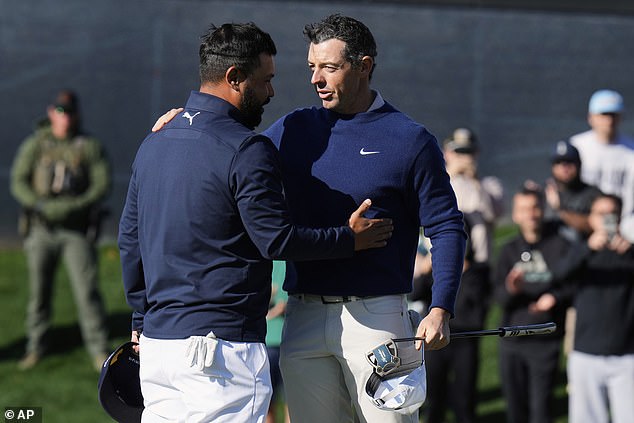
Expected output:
(502, 332)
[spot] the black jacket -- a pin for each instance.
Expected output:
(604, 299)
(540, 261)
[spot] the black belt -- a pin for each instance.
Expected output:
(328, 299)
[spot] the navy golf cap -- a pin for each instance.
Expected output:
(462, 140)
(565, 152)
(119, 385)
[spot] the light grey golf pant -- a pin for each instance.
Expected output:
(323, 357)
(600, 387)
(44, 249)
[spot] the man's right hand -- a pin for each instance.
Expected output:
(369, 233)
(552, 194)
(435, 329)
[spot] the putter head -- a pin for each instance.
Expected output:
(384, 358)
(398, 381)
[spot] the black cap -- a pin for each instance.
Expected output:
(66, 102)
(462, 140)
(120, 386)
(565, 152)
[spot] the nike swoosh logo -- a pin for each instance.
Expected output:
(365, 153)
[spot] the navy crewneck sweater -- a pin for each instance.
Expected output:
(332, 162)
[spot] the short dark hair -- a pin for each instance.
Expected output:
(232, 44)
(532, 188)
(358, 38)
(616, 200)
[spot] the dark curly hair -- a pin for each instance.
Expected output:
(358, 38)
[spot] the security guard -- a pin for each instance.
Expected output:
(59, 177)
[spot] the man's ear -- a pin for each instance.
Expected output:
(367, 62)
(234, 77)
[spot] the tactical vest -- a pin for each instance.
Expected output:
(60, 167)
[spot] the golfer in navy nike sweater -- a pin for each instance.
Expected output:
(335, 160)
(388, 158)
(355, 145)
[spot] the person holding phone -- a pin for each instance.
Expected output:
(601, 365)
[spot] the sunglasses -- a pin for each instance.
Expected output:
(63, 110)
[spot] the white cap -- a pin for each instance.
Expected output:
(403, 394)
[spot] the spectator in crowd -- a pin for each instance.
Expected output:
(274, 324)
(607, 154)
(479, 199)
(568, 198)
(452, 372)
(60, 177)
(601, 365)
(568, 201)
(528, 293)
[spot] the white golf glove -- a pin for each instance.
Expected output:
(201, 350)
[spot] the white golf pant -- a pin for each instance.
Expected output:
(601, 388)
(201, 379)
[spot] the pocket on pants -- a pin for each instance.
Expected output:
(291, 305)
(414, 318)
(392, 304)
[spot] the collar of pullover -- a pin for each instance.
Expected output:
(213, 104)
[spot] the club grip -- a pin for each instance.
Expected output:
(540, 329)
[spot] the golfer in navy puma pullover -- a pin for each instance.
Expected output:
(205, 209)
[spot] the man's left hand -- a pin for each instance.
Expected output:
(163, 120)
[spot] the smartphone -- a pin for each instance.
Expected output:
(610, 224)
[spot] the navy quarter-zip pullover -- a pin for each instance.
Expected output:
(205, 213)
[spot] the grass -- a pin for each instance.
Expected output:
(64, 384)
